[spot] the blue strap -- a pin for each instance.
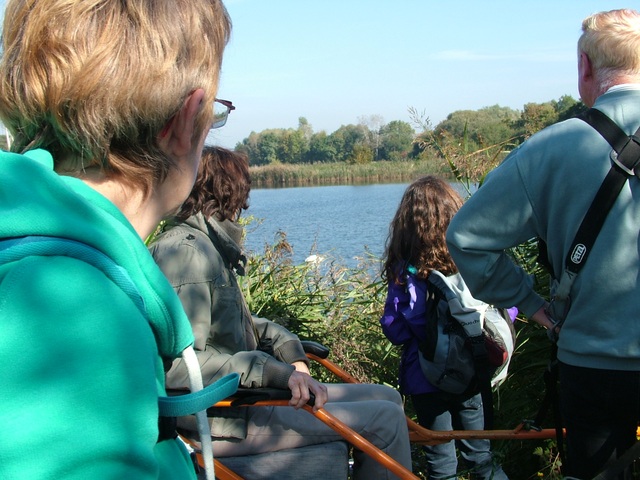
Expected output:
(191, 403)
(14, 249)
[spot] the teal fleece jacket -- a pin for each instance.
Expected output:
(81, 367)
(543, 189)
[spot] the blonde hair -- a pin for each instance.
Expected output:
(611, 40)
(95, 81)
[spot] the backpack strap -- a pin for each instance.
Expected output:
(625, 159)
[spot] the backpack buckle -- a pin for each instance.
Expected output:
(631, 149)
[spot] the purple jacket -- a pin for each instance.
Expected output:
(404, 323)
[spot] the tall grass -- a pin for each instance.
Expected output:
(341, 173)
(323, 300)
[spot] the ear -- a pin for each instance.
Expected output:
(587, 82)
(176, 136)
(585, 69)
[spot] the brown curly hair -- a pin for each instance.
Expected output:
(418, 230)
(222, 186)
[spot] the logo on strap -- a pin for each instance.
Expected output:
(578, 253)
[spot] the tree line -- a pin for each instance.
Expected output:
(374, 140)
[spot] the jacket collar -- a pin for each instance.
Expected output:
(225, 235)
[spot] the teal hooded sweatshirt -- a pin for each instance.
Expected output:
(81, 366)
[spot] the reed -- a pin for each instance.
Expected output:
(340, 307)
(288, 175)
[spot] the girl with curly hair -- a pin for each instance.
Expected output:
(416, 246)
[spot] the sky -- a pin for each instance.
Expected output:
(337, 62)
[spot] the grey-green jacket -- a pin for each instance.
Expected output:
(544, 189)
(199, 258)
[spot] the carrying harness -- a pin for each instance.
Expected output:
(625, 158)
(200, 399)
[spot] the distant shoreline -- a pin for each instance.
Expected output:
(281, 175)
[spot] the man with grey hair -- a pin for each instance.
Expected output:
(544, 189)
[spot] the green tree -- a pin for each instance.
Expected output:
(267, 147)
(397, 140)
(479, 128)
(537, 116)
(346, 138)
(292, 146)
(361, 153)
(321, 149)
(568, 107)
(249, 146)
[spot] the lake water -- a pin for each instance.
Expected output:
(342, 222)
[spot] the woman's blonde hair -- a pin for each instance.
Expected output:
(611, 40)
(95, 81)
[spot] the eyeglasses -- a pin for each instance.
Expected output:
(221, 109)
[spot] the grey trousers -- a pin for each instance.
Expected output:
(373, 411)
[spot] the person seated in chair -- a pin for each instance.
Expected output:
(200, 254)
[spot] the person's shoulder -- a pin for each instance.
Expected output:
(187, 255)
(65, 293)
(182, 241)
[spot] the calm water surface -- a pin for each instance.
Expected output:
(337, 221)
(343, 222)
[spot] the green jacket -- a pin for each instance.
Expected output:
(81, 367)
(200, 257)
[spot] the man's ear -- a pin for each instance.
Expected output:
(585, 68)
(176, 136)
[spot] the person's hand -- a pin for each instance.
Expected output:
(302, 385)
(547, 322)
(301, 367)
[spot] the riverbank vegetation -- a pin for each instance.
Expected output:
(341, 173)
(323, 300)
(375, 151)
(340, 307)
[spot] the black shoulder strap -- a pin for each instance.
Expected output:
(625, 157)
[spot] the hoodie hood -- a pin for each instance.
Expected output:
(34, 200)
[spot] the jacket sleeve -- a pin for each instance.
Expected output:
(394, 325)
(405, 315)
(497, 217)
(286, 345)
(213, 306)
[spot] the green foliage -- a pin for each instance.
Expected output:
(371, 139)
(360, 153)
(322, 300)
(342, 173)
(487, 126)
(537, 116)
(397, 140)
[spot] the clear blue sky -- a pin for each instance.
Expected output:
(335, 61)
